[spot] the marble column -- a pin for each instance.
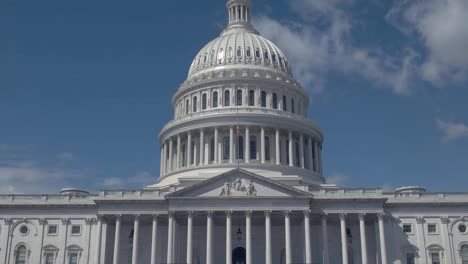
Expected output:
(268, 255)
(301, 151)
(161, 163)
(202, 147)
(229, 237)
(326, 259)
(209, 238)
(136, 239)
(118, 223)
(262, 145)
(189, 237)
(362, 228)
(178, 155)
(189, 149)
(164, 157)
(344, 240)
(170, 233)
(247, 145)
(248, 237)
(231, 145)
(307, 245)
(170, 156)
(287, 233)
(154, 239)
(277, 147)
(383, 248)
(311, 154)
(97, 257)
(215, 147)
(290, 147)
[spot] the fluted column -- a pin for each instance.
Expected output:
(170, 233)
(291, 154)
(362, 228)
(383, 248)
(277, 147)
(326, 259)
(287, 233)
(189, 237)
(118, 222)
(262, 145)
(170, 156)
(154, 239)
(189, 149)
(209, 238)
(301, 151)
(178, 152)
(268, 256)
(344, 243)
(307, 245)
(247, 145)
(311, 155)
(97, 257)
(202, 146)
(229, 237)
(136, 239)
(248, 237)
(231, 145)
(215, 147)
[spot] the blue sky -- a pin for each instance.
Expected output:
(85, 86)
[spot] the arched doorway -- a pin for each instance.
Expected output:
(238, 255)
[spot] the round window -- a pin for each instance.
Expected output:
(24, 230)
(462, 228)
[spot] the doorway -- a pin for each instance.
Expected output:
(238, 255)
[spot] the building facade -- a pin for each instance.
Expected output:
(241, 181)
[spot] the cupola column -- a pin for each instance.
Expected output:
(291, 154)
(247, 145)
(189, 149)
(277, 148)
(170, 156)
(202, 146)
(215, 147)
(179, 158)
(262, 145)
(231, 145)
(301, 150)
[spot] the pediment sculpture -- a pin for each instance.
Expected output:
(239, 187)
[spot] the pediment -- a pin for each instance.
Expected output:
(238, 183)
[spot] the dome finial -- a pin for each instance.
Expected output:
(239, 13)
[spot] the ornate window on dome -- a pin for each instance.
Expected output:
(249, 52)
(229, 53)
(281, 63)
(253, 147)
(205, 58)
(194, 104)
(215, 99)
(251, 98)
(264, 98)
(285, 103)
(212, 56)
(187, 106)
(204, 101)
(221, 56)
(226, 148)
(227, 98)
(257, 53)
(273, 57)
(239, 52)
(275, 101)
(239, 97)
(266, 55)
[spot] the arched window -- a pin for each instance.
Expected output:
(285, 103)
(212, 149)
(251, 98)
(464, 254)
(292, 105)
(215, 99)
(194, 104)
(264, 95)
(239, 97)
(253, 147)
(275, 101)
(21, 253)
(204, 101)
(187, 106)
(240, 148)
(227, 98)
(267, 148)
(226, 148)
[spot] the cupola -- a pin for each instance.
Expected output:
(239, 14)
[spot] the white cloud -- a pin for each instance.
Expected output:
(337, 178)
(442, 27)
(452, 131)
(140, 179)
(322, 42)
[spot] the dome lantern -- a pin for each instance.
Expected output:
(239, 14)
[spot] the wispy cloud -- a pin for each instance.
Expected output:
(452, 131)
(140, 179)
(337, 178)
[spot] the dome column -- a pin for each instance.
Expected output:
(311, 154)
(316, 162)
(170, 155)
(231, 145)
(215, 147)
(301, 150)
(291, 154)
(189, 149)
(277, 148)
(247, 145)
(202, 146)
(178, 156)
(262, 145)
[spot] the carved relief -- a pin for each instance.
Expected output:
(239, 187)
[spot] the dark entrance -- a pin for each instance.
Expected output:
(238, 255)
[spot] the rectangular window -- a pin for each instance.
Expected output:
(432, 228)
(410, 258)
(76, 230)
(407, 228)
(49, 258)
(52, 230)
(73, 258)
(435, 258)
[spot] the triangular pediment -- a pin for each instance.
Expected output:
(238, 183)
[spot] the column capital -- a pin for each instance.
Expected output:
(342, 216)
(268, 213)
(8, 221)
(381, 216)
(229, 213)
(118, 217)
(90, 221)
(248, 213)
(65, 221)
(190, 213)
(42, 221)
(209, 213)
(445, 220)
(170, 214)
(286, 213)
(137, 216)
(307, 213)
(323, 216)
(155, 217)
(362, 216)
(420, 220)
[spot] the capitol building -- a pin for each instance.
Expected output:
(241, 182)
